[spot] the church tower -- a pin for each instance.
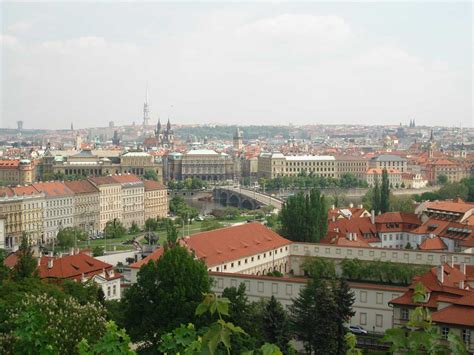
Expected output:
(238, 139)
(431, 146)
(146, 110)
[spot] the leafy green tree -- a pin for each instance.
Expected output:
(176, 203)
(469, 183)
(304, 218)
(26, 265)
(453, 190)
(165, 295)
(376, 203)
(344, 299)
(312, 318)
(4, 271)
(114, 229)
(68, 237)
(150, 174)
(97, 251)
(385, 192)
(317, 267)
(44, 324)
(442, 179)
(151, 224)
(276, 325)
(114, 342)
(134, 229)
(404, 203)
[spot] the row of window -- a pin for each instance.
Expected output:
(246, 260)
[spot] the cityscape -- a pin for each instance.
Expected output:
(169, 223)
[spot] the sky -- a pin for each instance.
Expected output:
(244, 63)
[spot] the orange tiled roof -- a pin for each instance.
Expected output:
(103, 180)
(53, 188)
(126, 178)
(225, 244)
(9, 163)
(153, 185)
(454, 314)
(81, 186)
(433, 243)
(458, 206)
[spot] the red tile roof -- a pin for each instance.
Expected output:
(433, 243)
(72, 267)
(225, 244)
(81, 186)
(458, 206)
(53, 188)
(344, 240)
(24, 190)
(102, 180)
(126, 178)
(460, 315)
(9, 164)
(360, 226)
(151, 185)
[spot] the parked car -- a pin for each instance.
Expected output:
(357, 329)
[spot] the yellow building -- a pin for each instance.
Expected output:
(156, 200)
(22, 210)
(110, 199)
(17, 171)
(86, 205)
(272, 165)
(133, 193)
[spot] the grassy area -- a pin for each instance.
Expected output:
(116, 243)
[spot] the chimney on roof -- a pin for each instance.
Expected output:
(333, 207)
(461, 284)
(355, 237)
(360, 206)
(333, 218)
(71, 251)
(462, 268)
(50, 263)
(351, 205)
(372, 217)
(440, 273)
(39, 261)
(452, 261)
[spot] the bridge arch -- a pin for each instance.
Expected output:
(223, 198)
(248, 204)
(234, 201)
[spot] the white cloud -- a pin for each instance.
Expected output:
(9, 42)
(20, 27)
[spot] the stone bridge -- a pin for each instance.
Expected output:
(243, 198)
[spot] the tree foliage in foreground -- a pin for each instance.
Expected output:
(165, 295)
(423, 336)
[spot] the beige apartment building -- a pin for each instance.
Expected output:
(204, 164)
(272, 165)
(394, 177)
(22, 211)
(17, 171)
(133, 193)
(87, 205)
(110, 199)
(389, 161)
(346, 164)
(156, 200)
(58, 209)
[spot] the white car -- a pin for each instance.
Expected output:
(357, 329)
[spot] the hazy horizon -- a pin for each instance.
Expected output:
(236, 63)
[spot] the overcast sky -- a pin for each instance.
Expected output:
(246, 63)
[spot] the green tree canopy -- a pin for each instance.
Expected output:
(69, 236)
(165, 295)
(114, 229)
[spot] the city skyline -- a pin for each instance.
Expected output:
(254, 63)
